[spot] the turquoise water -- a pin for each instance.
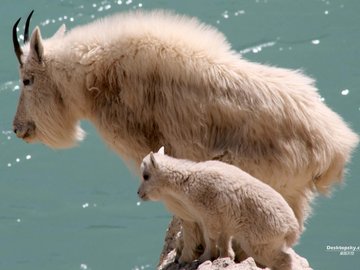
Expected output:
(78, 209)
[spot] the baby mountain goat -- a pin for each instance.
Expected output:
(147, 79)
(225, 202)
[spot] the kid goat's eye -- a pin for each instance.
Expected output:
(146, 176)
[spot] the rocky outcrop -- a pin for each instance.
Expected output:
(299, 263)
(167, 258)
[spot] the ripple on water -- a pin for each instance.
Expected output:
(225, 14)
(101, 7)
(17, 160)
(141, 267)
(10, 85)
(258, 48)
(345, 92)
(7, 134)
(239, 12)
(86, 205)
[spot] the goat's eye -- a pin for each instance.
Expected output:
(146, 176)
(27, 82)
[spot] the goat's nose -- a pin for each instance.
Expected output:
(23, 130)
(17, 128)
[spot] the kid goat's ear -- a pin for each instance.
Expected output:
(161, 150)
(153, 161)
(60, 32)
(36, 47)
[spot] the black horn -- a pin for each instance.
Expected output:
(27, 23)
(17, 48)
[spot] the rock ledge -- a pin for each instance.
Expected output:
(299, 263)
(167, 257)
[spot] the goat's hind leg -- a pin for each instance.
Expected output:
(211, 237)
(271, 254)
(225, 246)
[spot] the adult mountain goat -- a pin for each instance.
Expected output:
(147, 79)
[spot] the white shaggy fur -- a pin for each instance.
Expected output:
(225, 202)
(148, 79)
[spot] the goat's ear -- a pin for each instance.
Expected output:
(153, 161)
(161, 150)
(60, 32)
(36, 47)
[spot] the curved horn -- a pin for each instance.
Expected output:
(17, 48)
(27, 23)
